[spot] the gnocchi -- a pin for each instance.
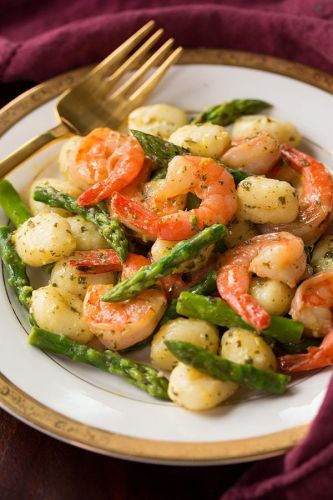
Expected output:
(243, 346)
(273, 295)
(196, 391)
(322, 257)
(69, 280)
(204, 139)
(157, 119)
(86, 234)
(196, 331)
(43, 239)
(262, 200)
(285, 132)
(239, 230)
(67, 157)
(56, 313)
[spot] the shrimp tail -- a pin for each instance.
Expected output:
(95, 193)
(96, 261)
(252, 312)
(134, 215)
(296, 157)
(315, 358)
(173, 285)
(177, 226)
(102, 190)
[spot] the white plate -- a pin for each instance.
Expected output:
(78, 403)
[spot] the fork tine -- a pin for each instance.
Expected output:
(154, 59)
(104, 67)
(133, 60)
(148, 86)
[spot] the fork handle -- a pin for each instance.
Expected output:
(30, 147)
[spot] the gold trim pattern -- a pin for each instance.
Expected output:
(51, 422)
(36, 414)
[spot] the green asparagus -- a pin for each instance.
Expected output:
(147, 276)
(159, 150)
(204, 287)
(207, 286)
(192, 201)
(223, 369)
(297, 347)
(218, 312)
(12, 204)
(18, 278)
(108, 227)
(162, 152)
(142, 376)
(227, 112)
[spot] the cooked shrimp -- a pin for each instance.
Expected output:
(255, 155)
(277, 256)
(134, 189)
(313, 305)
(107, 161)
(143, 191)
(203, 177)
(315, 198)
(123, 324)
(96, 261)
(106, 260)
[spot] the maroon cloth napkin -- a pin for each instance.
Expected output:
(41, 39)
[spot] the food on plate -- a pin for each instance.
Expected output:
(322, 255)
(157, 119)
(262, 200)
(143, 376)
(255, 155)
(228, 112)
(108, 226)
(196, 331)
(278, 256)
(205, 139)
(44, 238)
(315, 196)
(207, 248)
(312, 305)
(285, 132)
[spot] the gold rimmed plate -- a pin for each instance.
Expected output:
(99, 412)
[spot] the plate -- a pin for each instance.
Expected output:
(100, 412)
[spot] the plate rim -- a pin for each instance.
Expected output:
(39, 416)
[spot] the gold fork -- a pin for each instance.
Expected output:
(96, 102)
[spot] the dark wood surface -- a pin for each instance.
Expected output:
(34, 466)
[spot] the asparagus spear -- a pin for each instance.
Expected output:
(12, 204)
(109, 228)
(18, 278)
(227, 112)
(162, 152)
(205, 287)
(148, 275)
(143, 376)
(297, 347)
(218, 312)
(223, 369)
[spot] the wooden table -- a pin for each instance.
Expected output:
(37, 467)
